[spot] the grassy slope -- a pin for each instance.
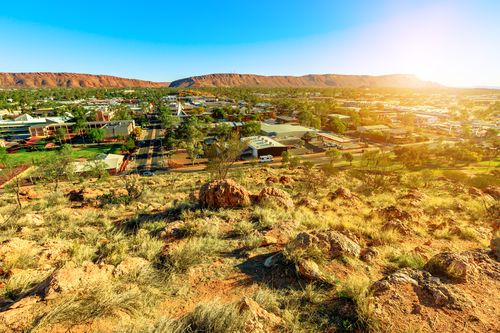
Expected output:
(219, 257)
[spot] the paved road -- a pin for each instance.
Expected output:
(149, 154)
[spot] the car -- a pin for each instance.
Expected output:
(265, 158)
(147, 173)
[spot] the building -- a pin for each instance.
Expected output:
(19, 128)
(112, 129)
(262, 145)
(111, 162)
(339, 116)
(284, 130)
(373, 128)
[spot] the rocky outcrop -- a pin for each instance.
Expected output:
(450, 265)
(431, 290)
(331, 243)
(320, 80)
(223, 194)
(395, 213)
(275, 196)
(258, 319)
(495, 247)
(70, 80)
(493, 191)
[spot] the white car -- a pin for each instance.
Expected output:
(266, 158)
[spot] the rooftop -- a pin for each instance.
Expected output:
(261, 142)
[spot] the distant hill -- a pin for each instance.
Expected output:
(70, 80)
(320, 81)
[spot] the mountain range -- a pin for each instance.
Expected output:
(71, 80)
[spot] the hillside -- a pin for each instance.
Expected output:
(274, 250)
(323, 81)
(70, 80)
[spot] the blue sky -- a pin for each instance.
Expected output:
(455, 42)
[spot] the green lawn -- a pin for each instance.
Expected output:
(22, 156)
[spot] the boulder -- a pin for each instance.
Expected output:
(495, 247)
(450, 265)
(331, 243)
(274, 260)
(131, 265)
(394, 213)
(493, 191)
(311, 271)
(276, 196)
(69, 279)
(223, 194)
(259, 320)
(309, 203)
(368, 254)
(272, 180)
(430, 289)
(286, 180)
(398, 226)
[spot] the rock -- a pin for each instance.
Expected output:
(493, 191)
(18, 316)
(397, 225)
(495, 247)
(131, 265)
(223, 194)
(345, 195)
(68, 279)
(394, 213)
(259, 320)
(84, 195)
(450, 265)
(331, 243)
(29, 194)
(474, 191)
(311, 271)
(276, 196)
(272, 180)
(286, 180)
(309, 203)
(436, 293)
(368, 254)
(274, 260)
(35, 219)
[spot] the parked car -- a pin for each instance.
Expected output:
(265, 158)
(147, 173)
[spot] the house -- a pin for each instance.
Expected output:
(287, 120)
(373, 128)
(284, 130)
(111, 162)
(262, 145)
(339, 116)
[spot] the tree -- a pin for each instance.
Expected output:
(337, 125)
(251, 128)
(223, 154)
(96, 135)
(194, 149)
(294, 162)
(96, 168)
(60, 134)
(59, 166)
(285, 157)
(348, 157)
(129, 146)
(309, 136)
(333, 155)
(222, 131)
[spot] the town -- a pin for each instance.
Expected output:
(148, 131)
